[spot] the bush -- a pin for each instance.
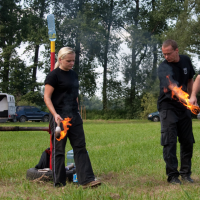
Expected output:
(32, 99)
(109, 114)
(25, 103)
(149, 103)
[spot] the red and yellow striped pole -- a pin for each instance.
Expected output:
(52, 68)
(52, 55)
(52, 38)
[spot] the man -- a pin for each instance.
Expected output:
(195, 90)
(175, 70)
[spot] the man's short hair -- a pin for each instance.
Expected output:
(170, 42)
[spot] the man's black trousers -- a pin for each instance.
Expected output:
(77, 140)
(177, 124)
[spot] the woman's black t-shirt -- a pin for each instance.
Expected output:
(64, 97)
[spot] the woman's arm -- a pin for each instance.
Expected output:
(48, 91)
(189, 86)
(77, 102)
(195, 90)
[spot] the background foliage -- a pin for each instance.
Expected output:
(98, 31)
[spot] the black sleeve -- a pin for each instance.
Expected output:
(51, 79)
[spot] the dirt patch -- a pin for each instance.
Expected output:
(109, 178)
(143, 185)
(115, 196)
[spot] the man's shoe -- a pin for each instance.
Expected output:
(187, 179)
(175, 180)
(91, 184)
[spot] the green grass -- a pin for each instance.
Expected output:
(125, 154)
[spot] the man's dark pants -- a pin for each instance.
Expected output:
(77, 139)
(177, 124)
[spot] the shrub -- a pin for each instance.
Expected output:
(149, 103)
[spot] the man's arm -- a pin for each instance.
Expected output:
(180, 94)
(195, 90)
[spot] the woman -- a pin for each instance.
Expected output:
(61, 98)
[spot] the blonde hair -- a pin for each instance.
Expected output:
(62, 53)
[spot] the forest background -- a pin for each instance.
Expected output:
(98, 31)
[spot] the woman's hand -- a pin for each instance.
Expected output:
(57, 118)
(193, 100)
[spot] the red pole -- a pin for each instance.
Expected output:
(52, 68)
(52, 55)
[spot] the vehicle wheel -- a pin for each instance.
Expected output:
(14, 119)
(22, 119)
(45, 119)
(41, 175)
(46, 174)
(155, 119)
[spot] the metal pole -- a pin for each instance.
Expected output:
(52, 38)
(18, 128)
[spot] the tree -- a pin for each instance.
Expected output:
(88, 27)
(149, 104)
(145, 21)
(137, 42)
(36, 32)
(20, 78)
(94, 103)
(186, 29)
(11, 23)
(107, 12)
(76, 29)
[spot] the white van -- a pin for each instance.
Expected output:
(7, 108)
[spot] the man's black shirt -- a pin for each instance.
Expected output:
(179, 73)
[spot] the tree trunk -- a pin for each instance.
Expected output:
(35, 67)
(155, 56)
(5, 78)
(78, 44)
(155, 60)
(105, 64)
(133, 64)
(77, 58)
(133, 75)
(105, 75)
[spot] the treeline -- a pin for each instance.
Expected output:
(96, 31)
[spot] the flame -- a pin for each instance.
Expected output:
(165, 90)
(183, 97)
(65, 123)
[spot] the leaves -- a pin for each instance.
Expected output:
(96, 29)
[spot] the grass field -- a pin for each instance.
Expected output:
(125, 154)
